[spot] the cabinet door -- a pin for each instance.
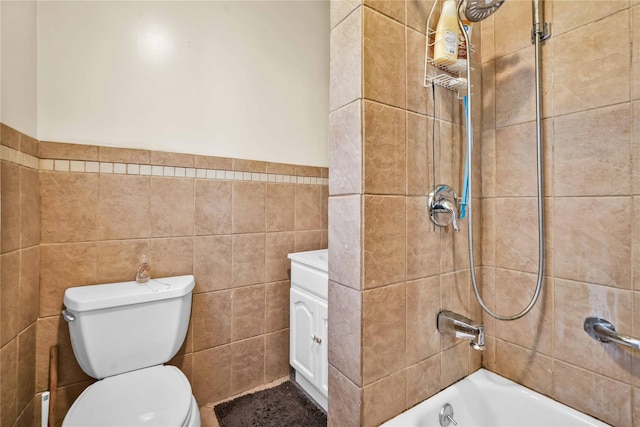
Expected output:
(323, 359)
(303, 353)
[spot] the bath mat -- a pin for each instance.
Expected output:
(283, 406)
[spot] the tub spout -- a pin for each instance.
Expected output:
(450, 323)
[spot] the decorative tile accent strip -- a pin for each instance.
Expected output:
(167, 171)
(14, 156)
(81, 166)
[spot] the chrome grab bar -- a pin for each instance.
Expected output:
(602, 330)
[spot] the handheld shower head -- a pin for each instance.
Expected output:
(477, 10)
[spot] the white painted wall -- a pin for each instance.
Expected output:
(18, 65)
(242, 79)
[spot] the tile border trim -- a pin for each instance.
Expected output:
(18, 157)
(12, 155)
(83, 166)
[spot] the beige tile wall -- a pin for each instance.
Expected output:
(390, 271)
(591, 137)
(229, 222)
(19, 267)
(400, 272)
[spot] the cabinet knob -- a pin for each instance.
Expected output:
(316, 339)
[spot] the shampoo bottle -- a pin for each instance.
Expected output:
(445, 49)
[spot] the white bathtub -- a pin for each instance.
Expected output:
(486, 399)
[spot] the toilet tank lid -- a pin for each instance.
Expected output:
(96, 297)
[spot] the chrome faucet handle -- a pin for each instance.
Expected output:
(478, 343)
(443, 206)
(453, 211)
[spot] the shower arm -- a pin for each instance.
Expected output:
(539, 36)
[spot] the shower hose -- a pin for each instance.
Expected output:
(469, 155)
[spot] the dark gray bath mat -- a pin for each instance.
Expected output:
(282, 406)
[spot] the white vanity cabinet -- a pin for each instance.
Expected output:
(308, 321)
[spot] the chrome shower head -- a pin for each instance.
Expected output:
(477, 10)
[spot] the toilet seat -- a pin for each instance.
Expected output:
(156, 396)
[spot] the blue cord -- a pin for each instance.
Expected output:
(465, 182)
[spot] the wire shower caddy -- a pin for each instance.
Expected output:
(454, 77)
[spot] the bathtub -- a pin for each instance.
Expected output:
(486, 399)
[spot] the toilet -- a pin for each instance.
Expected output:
(122, 334)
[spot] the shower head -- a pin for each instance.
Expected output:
(477, 10)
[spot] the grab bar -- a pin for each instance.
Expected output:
(604, 331)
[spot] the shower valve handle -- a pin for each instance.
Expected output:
(443, 206)
(453, 211)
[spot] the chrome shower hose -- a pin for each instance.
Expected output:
(541, 233)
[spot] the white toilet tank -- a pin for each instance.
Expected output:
(121, 327)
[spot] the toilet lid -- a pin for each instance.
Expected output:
(156, 396)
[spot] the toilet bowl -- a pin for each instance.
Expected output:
(156, 396)
(122, 334)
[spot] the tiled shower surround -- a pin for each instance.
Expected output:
(390, 272)
(76, 215)
(592, 162)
